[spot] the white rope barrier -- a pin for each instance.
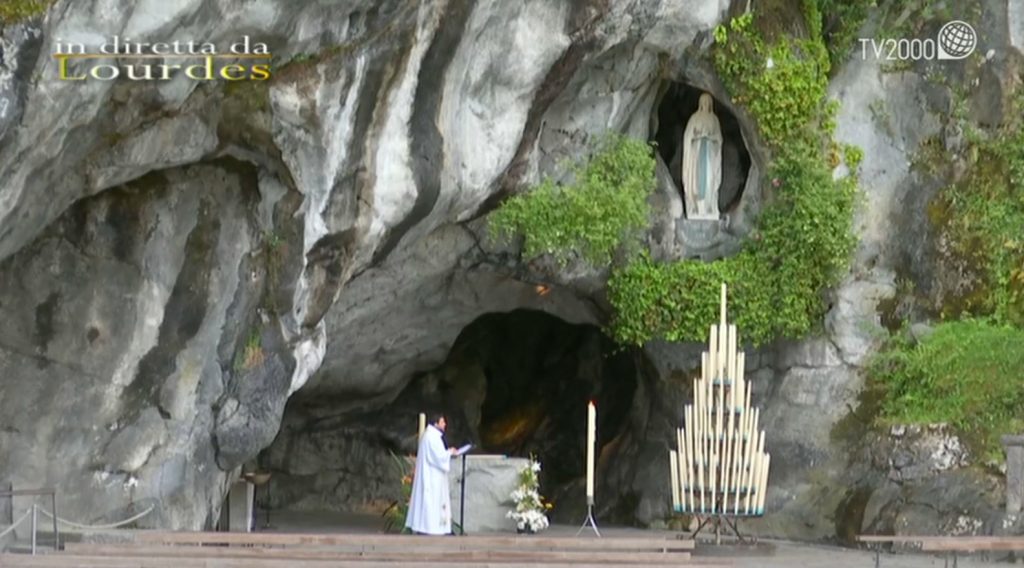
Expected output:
(97, 527)
(16, 523)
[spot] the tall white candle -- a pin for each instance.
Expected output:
(751, 499)
(423, 425)
(764, 484)
(681, 456)
(721, 306)
(690, 457)
(591, 442)
(673, 467)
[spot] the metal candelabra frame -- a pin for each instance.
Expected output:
(719, 469)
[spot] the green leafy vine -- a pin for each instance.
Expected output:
(804, 239)
(604, 207)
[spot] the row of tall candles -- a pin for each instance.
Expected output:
(720, 466)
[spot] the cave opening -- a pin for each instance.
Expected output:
(673, 111)
(536, 374)
(514, 384)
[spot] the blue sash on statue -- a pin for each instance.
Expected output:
(703, 165)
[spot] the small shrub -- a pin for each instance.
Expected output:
(394, 515)
(603, 209)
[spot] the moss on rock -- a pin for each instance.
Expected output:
(14, 11)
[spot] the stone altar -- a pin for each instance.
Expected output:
(240, 506)
(490, 480)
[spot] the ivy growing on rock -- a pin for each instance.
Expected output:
(967, 371)
(805, 235)
(594, 215)
(782, 85)
(776, 282)
(983, 217)
(804, 239)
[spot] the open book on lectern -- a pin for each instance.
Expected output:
(463, 449)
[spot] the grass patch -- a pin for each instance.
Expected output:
(983, 216)
(965, 373)
(251, 355)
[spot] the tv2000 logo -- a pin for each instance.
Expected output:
(955, 40)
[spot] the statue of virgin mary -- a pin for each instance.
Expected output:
(702, 162)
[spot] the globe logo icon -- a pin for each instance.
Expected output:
(957, 40)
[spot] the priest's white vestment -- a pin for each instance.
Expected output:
(430, 505)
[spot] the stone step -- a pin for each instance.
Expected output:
(384, 541)
(87, 561)
(395, 555)
(25, 546)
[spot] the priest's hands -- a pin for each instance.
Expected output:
(453, 451)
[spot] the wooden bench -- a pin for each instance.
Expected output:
(948, 545)
(954, 544)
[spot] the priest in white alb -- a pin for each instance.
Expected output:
(430, 508)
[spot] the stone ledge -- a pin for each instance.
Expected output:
(1012, 440)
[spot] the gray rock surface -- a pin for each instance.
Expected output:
(108, 344)
(142, 298)
(149, 231)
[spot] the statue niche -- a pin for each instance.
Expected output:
(687, 116)
(702, 162)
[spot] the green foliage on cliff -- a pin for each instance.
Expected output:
(603, 209)
(14, 11)
(968, 372)
(804, 239)
(983, 218)
(965, 373)
(782, 84)
(251, 355)
(841, 20)
(775, 282)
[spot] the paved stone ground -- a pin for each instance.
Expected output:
(766, 554)
(780, 554)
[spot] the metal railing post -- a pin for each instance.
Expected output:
(56, 531)
(35, 511)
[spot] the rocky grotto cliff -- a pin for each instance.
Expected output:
(197, 275)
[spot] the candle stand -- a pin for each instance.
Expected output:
(719, 469)
(719, 522)
(590, 519)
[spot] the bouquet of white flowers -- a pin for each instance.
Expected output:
(530, 505)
